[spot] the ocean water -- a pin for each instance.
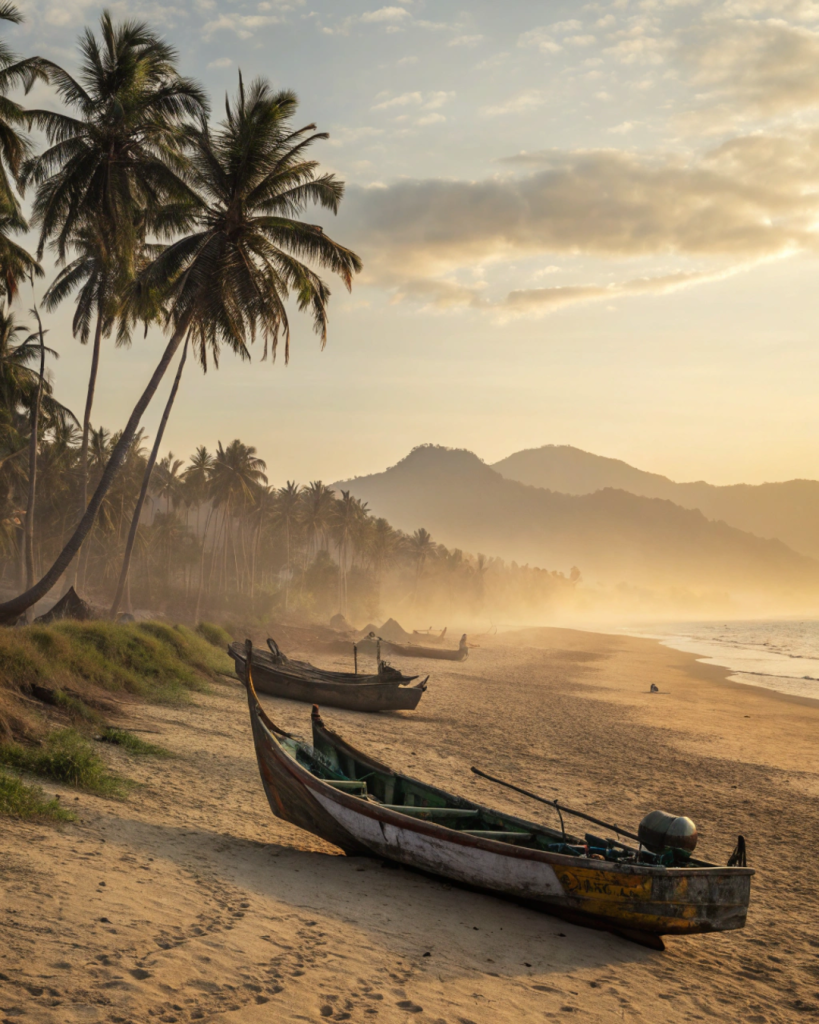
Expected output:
(780, 655)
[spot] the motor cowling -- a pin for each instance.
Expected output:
(660, 831)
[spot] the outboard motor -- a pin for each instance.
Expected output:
(660, 831)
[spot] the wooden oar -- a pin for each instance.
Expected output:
(558, 806)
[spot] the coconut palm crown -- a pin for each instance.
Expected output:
(119, 158)
(231, 276)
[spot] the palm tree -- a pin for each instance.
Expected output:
(348, 514)
(110, 174)
(236, 475)
(422, 546)
(197, 485)
(118, 160)
(230, 278)
(287, 516)
(17, 264)
(92, 272)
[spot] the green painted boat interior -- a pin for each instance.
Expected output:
(339, 768)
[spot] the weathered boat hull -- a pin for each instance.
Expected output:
(640, 901)
(415, 650)
(384, 695)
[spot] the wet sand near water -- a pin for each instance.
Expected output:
(190, 902)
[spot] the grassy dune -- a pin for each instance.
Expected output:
(56, 687)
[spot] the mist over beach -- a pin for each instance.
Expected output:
(409, 512)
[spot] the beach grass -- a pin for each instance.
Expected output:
(153, 660)
(68, 757)
(214, 634)
(21, 800)
(132, 743)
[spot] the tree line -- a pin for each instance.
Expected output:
(216, 538)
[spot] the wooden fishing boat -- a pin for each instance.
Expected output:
(369, 643)
(387, 691)
(366, 808)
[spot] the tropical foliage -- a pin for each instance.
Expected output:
(155, 215)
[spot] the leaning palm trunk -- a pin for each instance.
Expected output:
(10, 610)
(146, 479)
(86, 421)
(28, 536)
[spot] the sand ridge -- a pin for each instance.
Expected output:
(191, 902)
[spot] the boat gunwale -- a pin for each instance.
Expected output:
(380, 812)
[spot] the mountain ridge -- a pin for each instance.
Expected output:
(787, 510)
(612, 535)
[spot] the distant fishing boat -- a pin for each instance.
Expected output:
(370, 643)
(364, 807)
(277, 675)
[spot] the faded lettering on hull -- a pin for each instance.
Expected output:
(604, 885)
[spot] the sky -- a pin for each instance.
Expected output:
(580, 223)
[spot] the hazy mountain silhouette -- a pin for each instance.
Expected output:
(612, 535)
(787, 511)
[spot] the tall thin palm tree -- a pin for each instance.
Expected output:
(287, 513)
(197, 484)
(347, 517)
(16, 263)
(92, 273)
(111, 173)
(229, 278)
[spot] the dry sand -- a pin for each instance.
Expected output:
(190, 902)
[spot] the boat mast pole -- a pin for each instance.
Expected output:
(559, 807)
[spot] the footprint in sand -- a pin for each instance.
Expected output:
(409, 1006)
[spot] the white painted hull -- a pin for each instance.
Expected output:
(484, 869)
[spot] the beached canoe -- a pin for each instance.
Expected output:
(387, 691)
(350, 799)
(370, 643)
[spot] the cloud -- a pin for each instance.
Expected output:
(428, 101)
(405, 99)
(428, 119)
(751, 199)
(465, 41)
(443, 295)
(220, 62)
(244, 25)
(529, 99)
(390, 14)
(757, 67)
(541, 39)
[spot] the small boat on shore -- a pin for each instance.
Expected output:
(333, 790)
(277, 675)
(371, 642)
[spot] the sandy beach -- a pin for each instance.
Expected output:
(191, 902)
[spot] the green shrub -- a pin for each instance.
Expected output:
(133, 744)
(66, 757)
(18, 800)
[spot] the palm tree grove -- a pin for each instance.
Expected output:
(149, 210)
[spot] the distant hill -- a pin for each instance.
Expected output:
(787, 511)
(612, 535)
